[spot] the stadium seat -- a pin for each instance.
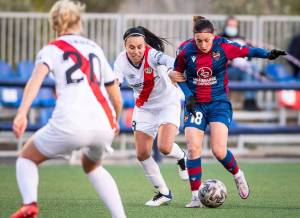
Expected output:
(125, 120)
(24, 69)
(45, 115)
(10, 97)
(278, 72)
(128, 100)
(6, 71)
(45, 98)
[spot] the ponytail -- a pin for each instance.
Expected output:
(202, 25)
(151, 39)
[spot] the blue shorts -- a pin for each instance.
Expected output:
(216, 111)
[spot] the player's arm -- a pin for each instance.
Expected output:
(30, 92)
(160, 58)
(264, 53)
(179, 67)
(234, 50)
(114, 93)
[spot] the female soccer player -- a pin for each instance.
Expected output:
(157, 104)
(83, 116)
(204, 60)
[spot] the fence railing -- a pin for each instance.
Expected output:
(23, 34)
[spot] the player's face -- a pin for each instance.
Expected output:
(135, 48)
(204, 41)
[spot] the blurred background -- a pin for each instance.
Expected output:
(265, 94)
(265, 131)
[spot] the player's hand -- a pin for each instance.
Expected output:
(190, 105)
(275, 54)
(19, 124)
(176, 76)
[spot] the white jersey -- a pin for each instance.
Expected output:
(82, 100)
(156, 91)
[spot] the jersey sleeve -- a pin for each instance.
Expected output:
(234, 50)
(159, 58)
(106, 71)
(118, 71)
(180, 62)
(45, 56)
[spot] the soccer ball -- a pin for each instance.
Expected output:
(212, 193)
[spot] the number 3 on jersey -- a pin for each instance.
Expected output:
(78, 64)
(197, 120)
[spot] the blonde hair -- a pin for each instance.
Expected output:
(65, 14)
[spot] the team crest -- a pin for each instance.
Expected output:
(193, 58)
(148, 70)
(216, 55)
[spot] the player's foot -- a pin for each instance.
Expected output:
(159, 199)
(182, 169)
(27, 211)
(241, 184)
(195, 202)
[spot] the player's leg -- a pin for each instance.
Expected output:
(166, 145)
(169, 122)
(102, 181)
(194, 134)
(194, 138)
(27, 178)
(219, 138)
(143, 144)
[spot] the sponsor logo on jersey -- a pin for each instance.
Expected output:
(138, 85)
(216, 55)
(131, 76)
(204, 72)
(193, 58)
(205, 77)
(149, 70)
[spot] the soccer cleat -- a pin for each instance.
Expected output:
(182, 169)
(159, 199)
(27, 211)
(241, 185)
(195, 202)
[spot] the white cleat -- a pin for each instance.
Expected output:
(195, 202)
(159, 199)
(182, 169)
(241, 185)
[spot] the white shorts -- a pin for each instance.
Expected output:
(148, 121)
(52, 142)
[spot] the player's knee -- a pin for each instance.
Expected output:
(88, 165)
(194, 151)
(165, 149)
(142, 156)
(219, 152)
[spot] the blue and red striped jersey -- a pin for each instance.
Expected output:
(206, 73)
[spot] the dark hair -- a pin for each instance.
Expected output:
(196, 18)
(151, 39)
(202, 25)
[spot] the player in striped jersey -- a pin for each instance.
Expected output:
(83, 116)
(204, 59)
(157, 104)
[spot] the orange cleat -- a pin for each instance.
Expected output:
(27, 211)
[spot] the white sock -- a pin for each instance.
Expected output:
(28, 179)
(107, 189)
(176, 152)
(195, 194)
(152, 172)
